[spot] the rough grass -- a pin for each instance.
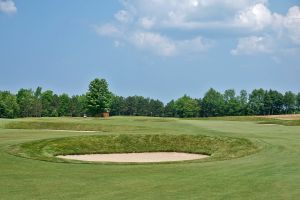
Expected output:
(55, 125)
(219, 148)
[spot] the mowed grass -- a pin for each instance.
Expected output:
(271, 173)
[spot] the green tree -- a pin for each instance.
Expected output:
(187, 107)
(142, 106)
(273, 102)
(117, 105)
(77, 105)
(212, 104)
(289, 100)
(256, 102)
(232, 105)
(26, 102)
(243, 102)
(130, 106)
(137, 106)
(98, 97)
(156, 108)
(170, 110)
(49, 104)
(64, 105)
(9, 107)
(38, 108)
(268, 103)
(298, 102)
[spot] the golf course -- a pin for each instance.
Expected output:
(248, 158)
(150, 100)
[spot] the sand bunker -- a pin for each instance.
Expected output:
(136, 157)
(71, 131)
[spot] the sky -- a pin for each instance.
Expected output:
(161, 49)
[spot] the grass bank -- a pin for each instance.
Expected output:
(219, 148)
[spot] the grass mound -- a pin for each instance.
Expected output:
(218, 148)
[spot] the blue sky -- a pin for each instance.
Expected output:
(160, 49)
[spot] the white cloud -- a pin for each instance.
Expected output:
(181, 14)
(146, 22)
(154, 42)
(107, 30)
(259, 17)
(123, 16)
(256, 17)
(151, 24)
(292, 24)
(194, 45)
(288, 25)
(253, 45)
(284, 29)
(166, 46)
(8, 6)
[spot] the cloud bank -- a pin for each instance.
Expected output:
(173, 27)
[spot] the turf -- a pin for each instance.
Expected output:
(271, 173)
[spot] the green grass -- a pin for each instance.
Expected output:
(271, 173)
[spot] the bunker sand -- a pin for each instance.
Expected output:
(136, 157)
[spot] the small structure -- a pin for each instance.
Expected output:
(105, 114)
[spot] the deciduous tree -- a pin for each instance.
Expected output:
(98, 97)
(212, 104)
(9, 107)
(187, 107)
(289, 102)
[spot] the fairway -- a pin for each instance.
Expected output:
(273, 172)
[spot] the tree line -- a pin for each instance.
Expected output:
(98, 99)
